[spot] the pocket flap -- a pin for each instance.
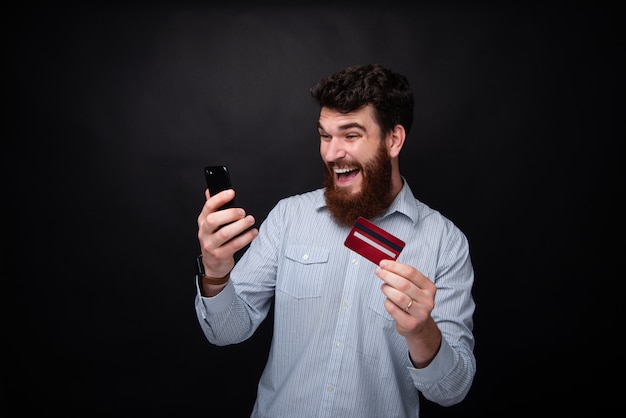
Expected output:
(307, 255)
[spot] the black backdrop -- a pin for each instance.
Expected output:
(114, 111)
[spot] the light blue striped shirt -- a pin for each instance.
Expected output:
(335, 350)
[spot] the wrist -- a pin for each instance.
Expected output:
(204, 279)
(214, 280)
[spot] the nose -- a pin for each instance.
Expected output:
(332, 150)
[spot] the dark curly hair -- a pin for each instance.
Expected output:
(357, 86)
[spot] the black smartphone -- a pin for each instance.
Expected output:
(218, 179)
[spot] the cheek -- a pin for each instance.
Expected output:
(365, 155)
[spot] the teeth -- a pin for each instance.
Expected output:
(343, 170)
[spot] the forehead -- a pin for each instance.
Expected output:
(362, 118)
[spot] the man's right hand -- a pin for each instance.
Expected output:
(221, 233)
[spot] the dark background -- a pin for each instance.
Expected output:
(114, 111)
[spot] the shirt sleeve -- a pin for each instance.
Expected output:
(212, 308)
(232, 316)
(448, 378)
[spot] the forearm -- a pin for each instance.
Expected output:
(424, 346)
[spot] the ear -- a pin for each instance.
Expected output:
(395, 140)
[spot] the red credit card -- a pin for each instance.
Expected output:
(373, 242)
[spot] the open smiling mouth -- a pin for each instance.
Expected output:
(345, 175)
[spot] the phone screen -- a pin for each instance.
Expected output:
(218, 179)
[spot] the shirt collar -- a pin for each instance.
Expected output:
(404, 203)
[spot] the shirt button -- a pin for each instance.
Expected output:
(329, 389)
(354, 262)
(305, 257)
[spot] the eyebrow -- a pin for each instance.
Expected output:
(346, 126)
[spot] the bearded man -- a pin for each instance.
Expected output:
(350, 338)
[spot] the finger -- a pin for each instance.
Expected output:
(401, 283)
(398, 312)
(408, 306)
(232, 228)
(220, 199)
(406, 271)
(396, 267)
(403, 300)
(214, 203)
(404, 283)
(241, 240)
(227, 248)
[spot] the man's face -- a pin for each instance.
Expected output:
(358, 166)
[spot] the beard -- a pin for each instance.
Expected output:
(369, 202)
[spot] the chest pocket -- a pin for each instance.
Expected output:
(304, 271)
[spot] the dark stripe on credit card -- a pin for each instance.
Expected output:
(377, 236)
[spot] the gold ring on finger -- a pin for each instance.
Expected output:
(408, 306)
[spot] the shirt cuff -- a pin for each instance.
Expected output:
(437, 369)
(216, 304)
